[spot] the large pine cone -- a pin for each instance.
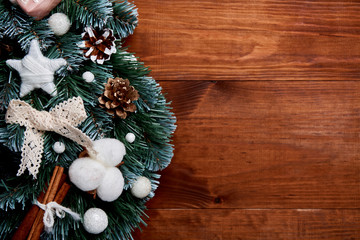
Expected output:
(118, 97)
(98, 45)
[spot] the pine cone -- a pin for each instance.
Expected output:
(118, 97)
(98, 45)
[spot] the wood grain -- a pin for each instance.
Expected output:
(267, 96)
(249, 40)
(263, 144)
(252, 224)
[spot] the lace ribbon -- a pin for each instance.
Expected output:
(51, 208)
(62, 119)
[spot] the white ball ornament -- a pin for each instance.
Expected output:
(59, 23)
(141, 187)
(59, 147)
(112, 185)
(130, 137)
(110, 151)
(95, 220)
(86, 173)
(88, 76)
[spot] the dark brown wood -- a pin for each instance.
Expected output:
(249, 40)
(268, 158)
(251, 224)
(263, 144)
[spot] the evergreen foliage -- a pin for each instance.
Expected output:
(153, 123)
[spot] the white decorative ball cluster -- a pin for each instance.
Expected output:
(130, 137)
(59, 23)
(95, 220)
(100, 172)
(141, 187)
(88, 76)
(59, 147)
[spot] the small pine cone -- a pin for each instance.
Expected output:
(98, 45)
(118, 97)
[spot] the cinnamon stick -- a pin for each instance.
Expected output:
(38, 225)
(62, 193)
(26, 225)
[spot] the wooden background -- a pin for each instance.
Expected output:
(267, 96)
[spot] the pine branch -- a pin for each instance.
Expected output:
(8, 85)
(14, 21)
(39, 30)
(125, 18)
(66, 47)
(153, 113)
(84, 13)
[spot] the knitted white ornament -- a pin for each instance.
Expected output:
(36, 71)
(112, 185)
(86, 173)
(130, 137)
(59, 23)
(59, 147)
(88, 76)
(95, 220)
(141, 187)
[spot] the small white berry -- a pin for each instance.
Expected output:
(88, 77)
(59, 147)
(130, 137)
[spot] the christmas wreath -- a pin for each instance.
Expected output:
(83, 128)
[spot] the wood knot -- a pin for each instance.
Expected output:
(218, 200)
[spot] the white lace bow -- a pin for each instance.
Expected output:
(62, 119)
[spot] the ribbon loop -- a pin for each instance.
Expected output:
(60, 211)
(62, 119)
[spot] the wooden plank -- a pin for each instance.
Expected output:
(263, 144)
(252, 224)
(249, 40)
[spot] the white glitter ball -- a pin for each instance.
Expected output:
(59, 147)
(59, 23)
(95, 220)
(141, 187)
(88, 77)
(130, 137)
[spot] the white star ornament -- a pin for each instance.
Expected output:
(36, 71)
